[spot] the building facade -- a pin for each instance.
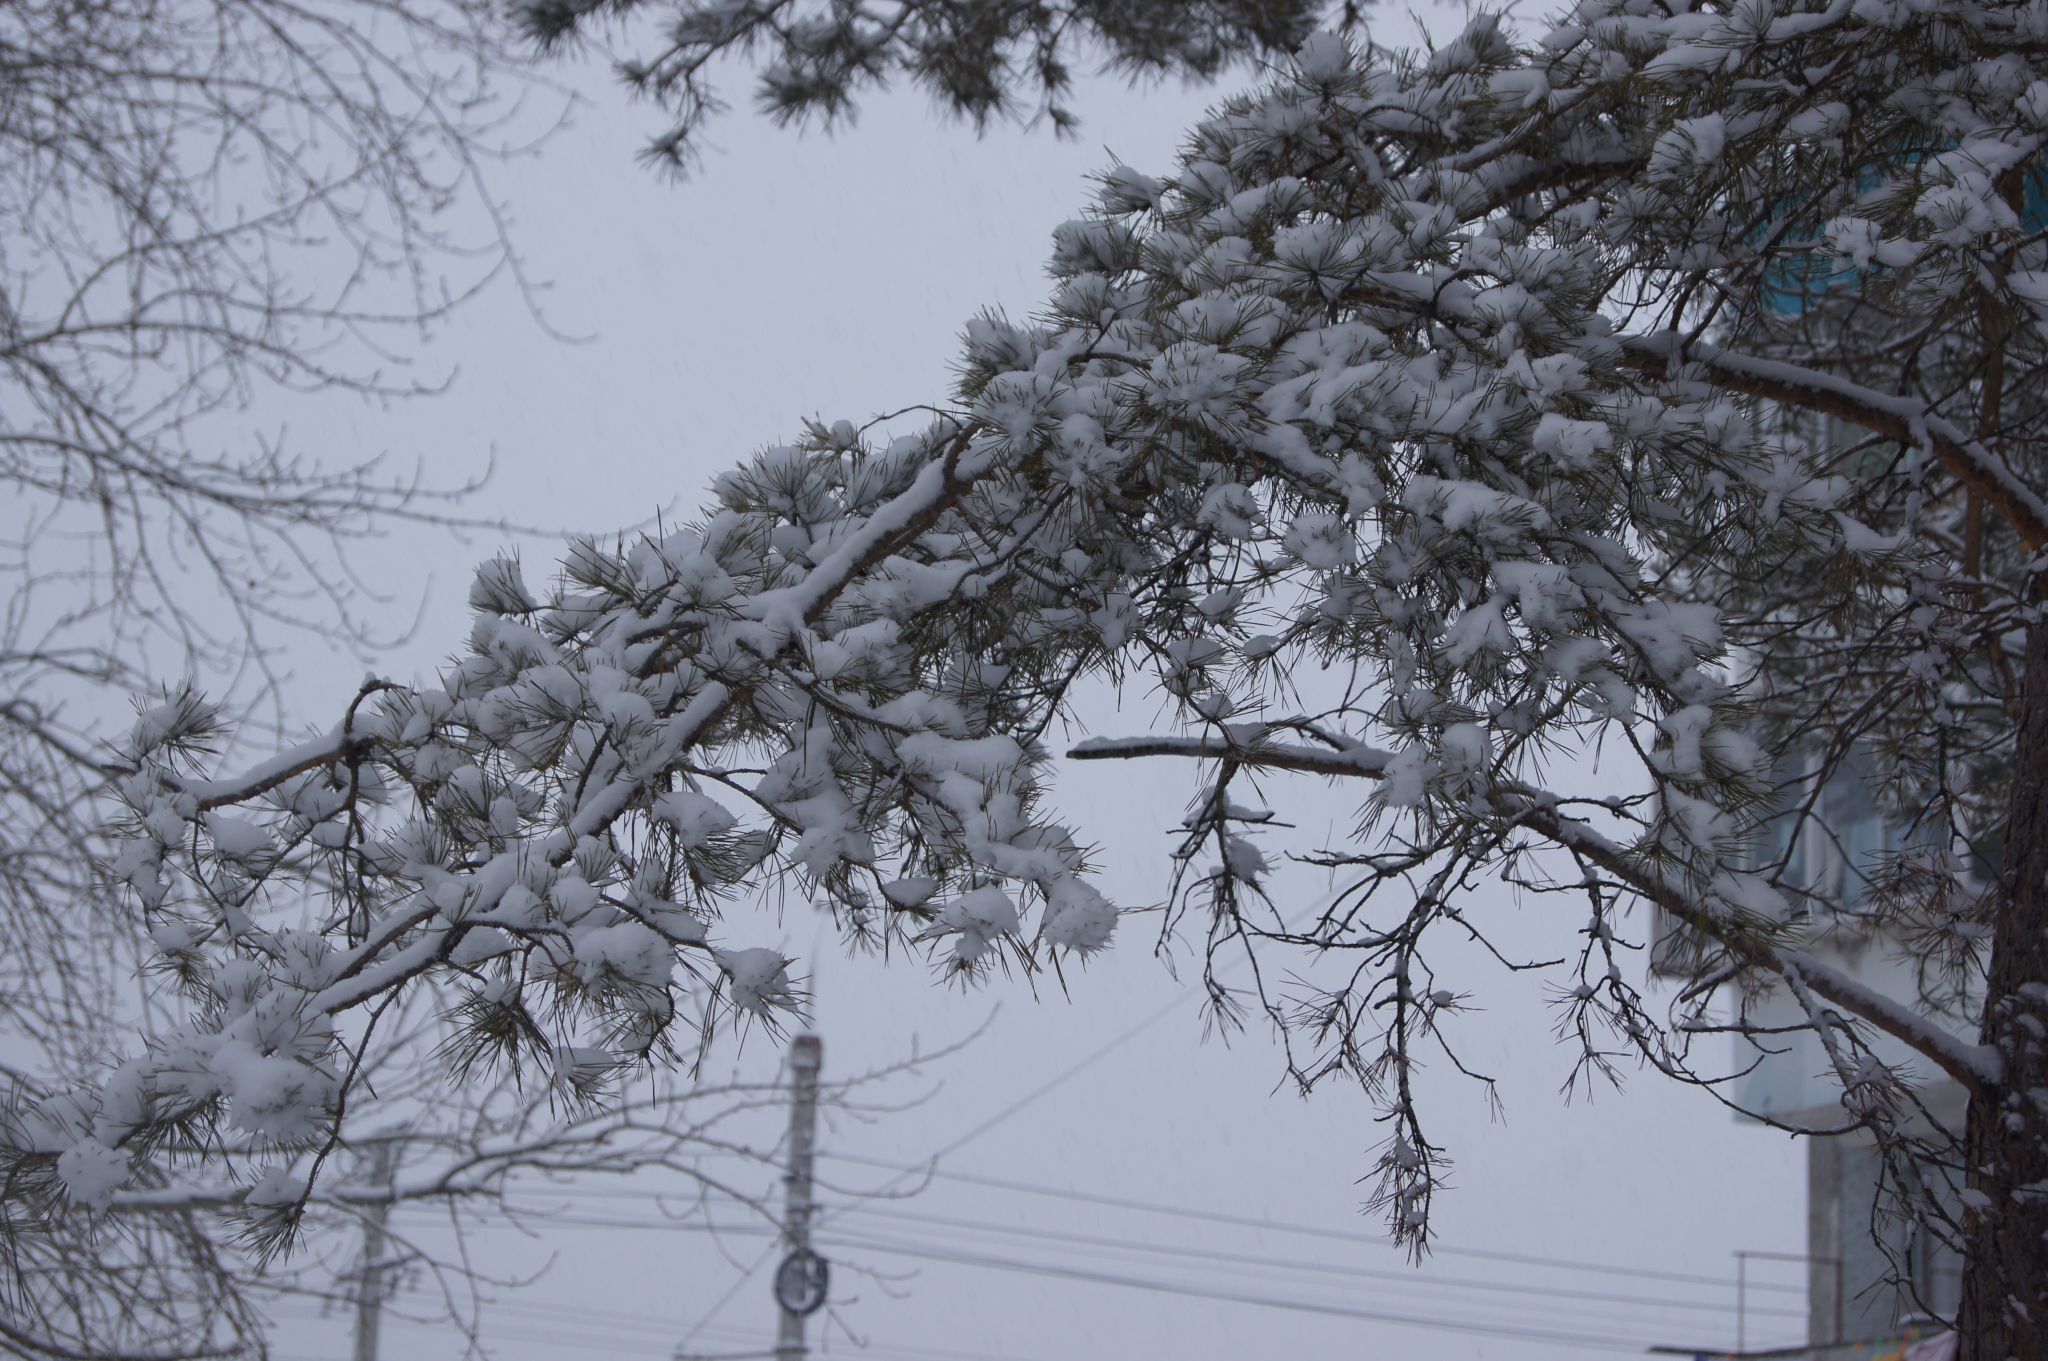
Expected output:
(1874, 1278)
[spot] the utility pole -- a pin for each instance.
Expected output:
(370, 1285)
(1741, 1303)
(800, 1282)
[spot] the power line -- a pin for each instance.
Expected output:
(1196, 1275)
(866, 1241)
(1310, 1230)
(1627, 1318)
(1199, 1253)
(857, 1205)
(1207, 1292)
(1220, 1260)
(1226, 1257)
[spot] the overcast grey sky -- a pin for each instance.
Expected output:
(830, 277)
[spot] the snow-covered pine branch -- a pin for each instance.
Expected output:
(1666, 385)
(978, 60)
(545, 837)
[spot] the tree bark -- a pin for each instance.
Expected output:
(2004, 1308)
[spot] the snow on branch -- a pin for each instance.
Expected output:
(1902, 420)
(1361, 439)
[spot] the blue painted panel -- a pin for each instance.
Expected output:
(1794, 281)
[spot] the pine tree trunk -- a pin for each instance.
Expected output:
(2004, 1313)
